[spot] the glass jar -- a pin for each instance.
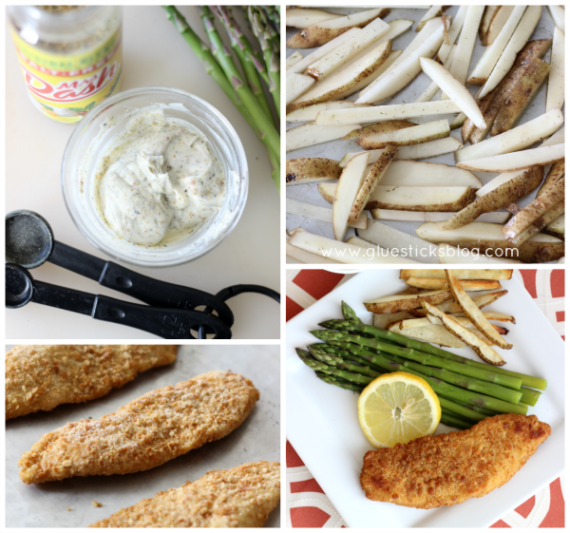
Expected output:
(89, 142)
(71, 56)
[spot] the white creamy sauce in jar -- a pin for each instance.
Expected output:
(159, 181)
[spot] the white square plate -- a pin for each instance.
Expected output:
(322, 422)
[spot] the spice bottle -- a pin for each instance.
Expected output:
(71, 56)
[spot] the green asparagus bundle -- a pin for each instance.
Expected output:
(354, 354)
(528, 381)
(244, 90)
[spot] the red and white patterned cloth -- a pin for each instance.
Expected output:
(308, 505)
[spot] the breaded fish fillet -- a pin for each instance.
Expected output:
(39, 378)
(145, 433)
(240, 497)
(448, 469)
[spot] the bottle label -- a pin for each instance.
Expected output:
(66, 87)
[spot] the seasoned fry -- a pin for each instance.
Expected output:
(473, 312)
(557, 171)
(512, 84)
(311, 169)
(39, 378)
(527, 88)
(484, 351)
(472, 273)
(324, 32)
(452, 308)
(488, 16)
(145, 433)
(397, 303)
(540, 223)
(488, 238)
(491, 315)
(383, 320)
(433, 333)
(498, 198)
(463, 320)
(468, 285)
(240, 497)
(379, 127)
(371, 181)
(546, 201)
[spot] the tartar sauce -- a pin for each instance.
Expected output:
(159, 180)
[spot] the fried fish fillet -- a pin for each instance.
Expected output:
(39, 378)
(448, 469)
(145, 433)
(240, 497)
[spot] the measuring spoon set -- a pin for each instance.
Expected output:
(170, 312)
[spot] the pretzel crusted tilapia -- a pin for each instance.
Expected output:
(39, 378)
(240, 497)
(145, 433)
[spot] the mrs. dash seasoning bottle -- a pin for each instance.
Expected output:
(71, 56)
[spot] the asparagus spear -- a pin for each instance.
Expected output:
(454, 422)
(455, 415)
(240, 44)
(415, 355)
(269, 31)
(473, 384)
(273, 16)
(344, 354)
(529, 381)
(339, 373)
(224, 57)
(349, 314)
(482, 410)
(339, 362)
(331, 380)
(270, 50)
(449, 418)
(205, 56)
(529, 396)
(269, 137)
(440, 387)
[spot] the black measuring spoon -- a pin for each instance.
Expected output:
(30, 243)
(21, 289)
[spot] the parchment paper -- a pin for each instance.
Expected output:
(308, 193)
(258, 438)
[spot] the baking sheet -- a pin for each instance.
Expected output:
(258, 438)
(308, 193)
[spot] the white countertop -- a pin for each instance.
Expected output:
(154, 53)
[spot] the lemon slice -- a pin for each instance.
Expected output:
(397, 408)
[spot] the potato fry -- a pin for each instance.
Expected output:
(397, 303)
(469, 285)
(472, 273)
(451, 308)
(384, 320)
(464, 321)
(491, 315)
(485, 352)
(433, 333)
(410, 290)
(473, 312)
(546, 201)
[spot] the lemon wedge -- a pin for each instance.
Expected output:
(397, 408)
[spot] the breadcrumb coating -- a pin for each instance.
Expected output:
(240, 497)
(448, 469)
(41, 377)
(145, 433)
